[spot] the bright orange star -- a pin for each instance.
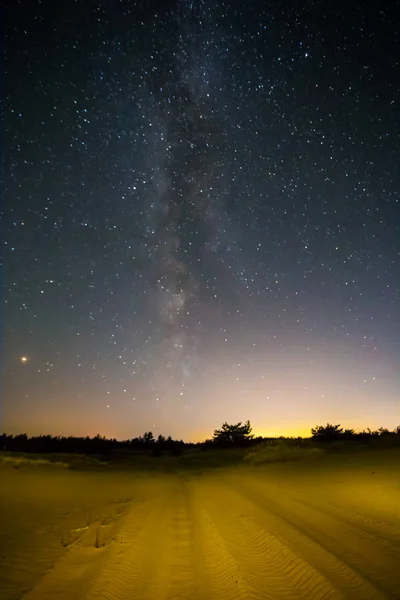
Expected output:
(24, 359)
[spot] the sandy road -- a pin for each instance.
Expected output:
(234, 535)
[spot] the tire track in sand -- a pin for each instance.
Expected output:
(219, 536)
(268, 567)
(184, 558)
(317, 541)
(163, 549)
(181, 573)
(160, 563)
(371, 547)
(378, 529)
(73, 575)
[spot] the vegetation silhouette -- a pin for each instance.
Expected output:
(332, 433)
(229, 436)
(233, 435)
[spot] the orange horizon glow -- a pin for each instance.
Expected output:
(283, 395)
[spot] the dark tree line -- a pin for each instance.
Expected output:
(331, 433)
(229, 435)
(97, 445)
(236, 435)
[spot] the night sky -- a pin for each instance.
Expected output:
(201, 216)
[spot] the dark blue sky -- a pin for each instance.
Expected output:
(201, 216)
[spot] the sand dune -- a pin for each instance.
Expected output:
(233, 534)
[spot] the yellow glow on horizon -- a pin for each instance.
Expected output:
(301, 432)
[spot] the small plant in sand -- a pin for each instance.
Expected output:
(97, 542)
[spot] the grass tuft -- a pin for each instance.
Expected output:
(97, 542)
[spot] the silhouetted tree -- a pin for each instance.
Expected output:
(327, 433)
(233, 435)
(148, 437)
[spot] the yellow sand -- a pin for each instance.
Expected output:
(290, 531)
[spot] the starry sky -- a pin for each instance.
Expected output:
(201, 219)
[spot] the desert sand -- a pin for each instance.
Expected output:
(285, 531)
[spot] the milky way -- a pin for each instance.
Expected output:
(185, 233)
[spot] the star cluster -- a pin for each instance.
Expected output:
(201, 217)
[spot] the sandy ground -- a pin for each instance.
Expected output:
(283, 531)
